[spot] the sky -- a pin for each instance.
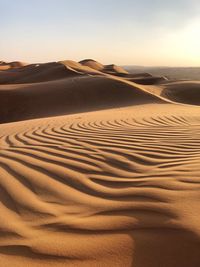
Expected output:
(124, 32)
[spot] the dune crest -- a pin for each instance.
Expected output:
(92, 64)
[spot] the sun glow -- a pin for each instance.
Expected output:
(184, 45)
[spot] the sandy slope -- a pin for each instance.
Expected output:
(118, 186)
(102, 189)
(66, 96)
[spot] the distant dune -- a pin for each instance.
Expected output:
(172, 73)
(98, 167)
(11, 65)
(92, 64)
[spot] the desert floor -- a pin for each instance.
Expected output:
(98, 167)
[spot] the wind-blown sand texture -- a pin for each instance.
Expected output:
(98, 167)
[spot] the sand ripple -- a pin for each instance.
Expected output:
(76, 190)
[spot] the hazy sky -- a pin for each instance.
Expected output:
(132, 32)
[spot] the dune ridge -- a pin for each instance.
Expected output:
(98, 168)
(67, 87)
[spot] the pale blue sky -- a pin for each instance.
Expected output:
(138, 32)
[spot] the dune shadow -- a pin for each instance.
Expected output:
(68, 96)
(165, 247)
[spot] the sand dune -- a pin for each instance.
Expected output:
(147, 80)
(113, 184)
(183, 91)
(36, 73)
(92, 64)
(80, 68)
(113, 69)
(66, 96)
(173, 73)
(11, 65)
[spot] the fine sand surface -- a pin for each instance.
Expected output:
(98, 167)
